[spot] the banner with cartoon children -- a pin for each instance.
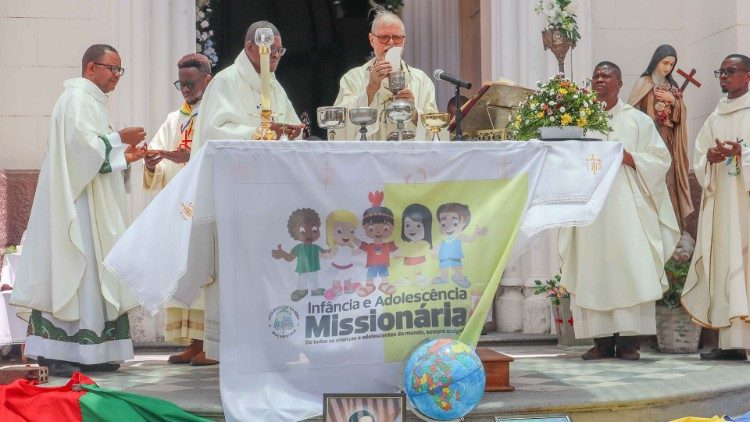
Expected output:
(338, 260)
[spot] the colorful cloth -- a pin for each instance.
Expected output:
(82, 400)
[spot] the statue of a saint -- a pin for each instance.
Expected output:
(657, 95)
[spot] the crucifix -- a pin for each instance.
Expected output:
(688, 79)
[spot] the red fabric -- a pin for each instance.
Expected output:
(24, 401)
(378, 253)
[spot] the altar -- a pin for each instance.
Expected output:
(248, 214)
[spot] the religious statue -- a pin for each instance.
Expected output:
(657, 94)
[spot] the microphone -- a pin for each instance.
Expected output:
(455, 80)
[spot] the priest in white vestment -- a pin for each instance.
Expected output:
(717, 292)
(232, 102)
(170, 151)
(230, 109)
(367, 85)
(614, 268)
(79, 310)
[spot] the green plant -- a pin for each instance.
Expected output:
(561, 15)
(552, 289)
(559, 102)
(10, 249)
(676, 274)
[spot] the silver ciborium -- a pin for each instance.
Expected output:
(363, 116)
(398, 109)
(331, 118)
(434, 122)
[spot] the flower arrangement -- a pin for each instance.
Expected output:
(559, 102)
(663, 109)
(552, 289)
(204, 34)
(560, 15)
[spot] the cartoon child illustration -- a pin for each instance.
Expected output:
(416, 231)
(378, 224)
(340, 226)
(454, 218)
(304, 226)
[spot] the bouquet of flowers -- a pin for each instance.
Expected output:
(559, 102)
(560, 14)
(552, 289)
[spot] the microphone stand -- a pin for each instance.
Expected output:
(459, 135)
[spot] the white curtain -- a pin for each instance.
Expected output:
(432, 29)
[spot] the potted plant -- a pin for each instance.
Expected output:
(562, 32)
(561, 314)
(559, 104)
(675, 330)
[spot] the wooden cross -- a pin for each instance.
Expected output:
(688, 79)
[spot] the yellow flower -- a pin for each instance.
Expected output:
(562, 91)
(565, 119)
(587, 111)
(582, 122)
(540, 115)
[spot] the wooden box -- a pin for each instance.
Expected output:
(496, 369)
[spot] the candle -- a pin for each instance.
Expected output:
(265, 78)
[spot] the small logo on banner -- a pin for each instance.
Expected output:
(283, 321)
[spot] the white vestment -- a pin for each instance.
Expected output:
(230, 108)
(353, 94)
(79, 211)
(182, 324)
(614, 268)
(169, 137)
(717, 285)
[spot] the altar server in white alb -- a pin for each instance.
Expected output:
(367, 85)
(170, 152)
(716, 292)
(173, 140)
(79, 310)
(232, 102)
(614, 268)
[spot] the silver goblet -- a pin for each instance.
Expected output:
(331, 118)
(363, 116)
(396, 81)
(399, 112)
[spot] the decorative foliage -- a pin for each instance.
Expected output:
(391, 5)
(552, 289)
(204, 33)
(676, 274)
(559, 102)
(560, 14)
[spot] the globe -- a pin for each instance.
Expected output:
(444, 379)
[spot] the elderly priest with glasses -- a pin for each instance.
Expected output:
(367, 85)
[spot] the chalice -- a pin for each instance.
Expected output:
(363, 116)
(434, 122)
(331, 118)
(398, 109)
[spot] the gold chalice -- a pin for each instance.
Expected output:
(434, 122)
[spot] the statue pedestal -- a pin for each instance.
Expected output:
(496, 369)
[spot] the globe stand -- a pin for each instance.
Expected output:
(496, 369)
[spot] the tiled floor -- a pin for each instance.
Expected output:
(544, 377)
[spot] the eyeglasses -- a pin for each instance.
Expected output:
(187, 84)
(116, 70)
(728, 72)
(277, 51)
(385, 39)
